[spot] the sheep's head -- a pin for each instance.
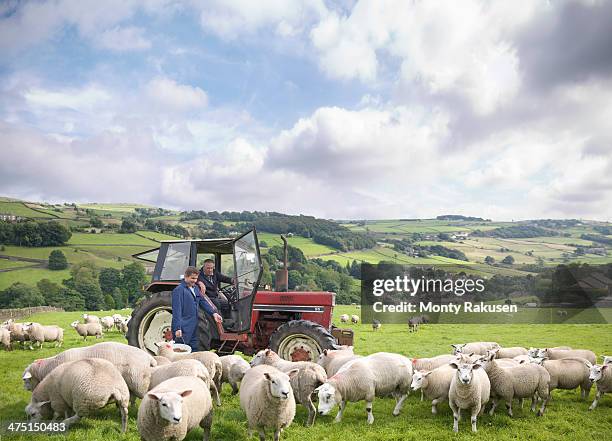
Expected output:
(38, 411)
(543, 353)
(74, 324)
(596, 371)
(537, 360)
(170, 404)
(458, 349)
(418, 379)
(465, 371)
(265, 356)
(278, 383)
(328, 398)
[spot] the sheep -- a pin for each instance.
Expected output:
(332, 360)
(521, 359)
(376, 325)
(557, 354)
(267, 399)
(107, 323)
(161, 361)
(601, 375)
(5, 338)
(233, 375)
(533, 352)
(344, 318)
(469, 389)
(376, 375)
(39, 334)
(179, 368)
(122, 326)
(567, 373)
(520, 381)
(607, 359)
(354, 319)
(173, 408)
(39, 406)
(510, 352)
(84, 386)
(415, 322)
(310, 376)
(477, 347)
(210, 360)
(16, 331)
(133, 364)
(434, 384)
(428, 364)
(86, 329)
(88, 318)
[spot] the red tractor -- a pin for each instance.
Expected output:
(297, 325)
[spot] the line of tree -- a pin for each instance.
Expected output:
(458, 217)
(597, 238)
(516, 231)
(34, 233)
(407, 246)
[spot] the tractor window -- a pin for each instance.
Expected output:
(202, 257)
(227, 265)
(248, 265)
(176, 261)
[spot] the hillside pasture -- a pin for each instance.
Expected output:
(22, 210)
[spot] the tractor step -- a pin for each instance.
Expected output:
(228, 347)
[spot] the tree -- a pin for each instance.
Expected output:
(109, 278)
(128, 226)
(57, 260)
(508, 260)
(490, 260)
(20, 295)
(133, 277)
(51, 292)
(72, 300)
(119, 298)
(96, 222)
(109, 301)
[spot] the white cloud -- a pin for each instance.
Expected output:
(82, 99)
(123, 39)
(171, 95)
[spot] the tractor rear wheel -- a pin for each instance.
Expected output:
(151, 322)
(301, 340)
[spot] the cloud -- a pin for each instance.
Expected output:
(172, 96)
(123, 39)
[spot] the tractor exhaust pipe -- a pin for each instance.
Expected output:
(282, 275)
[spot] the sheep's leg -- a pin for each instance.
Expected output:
(70, 421)
(262, 434)
(509, 407)
(597, 397)
(215, 393)
(456, 417)
(398, 405)
(312, 412)
(124, 417)
(545, 401)
(493, 406)
(234, 388)
(132, 399)
(369, 412)
(434, 406)
(475, 412)
(534, 400)
(206, 424)
(340, 411)
(421, 394)
(277, 434)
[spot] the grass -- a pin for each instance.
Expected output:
(155, 236)
(566, 416)
(127, 208)
(308, 246)
(109, 239)
(31, 276)
(20, 209)
(8, 264)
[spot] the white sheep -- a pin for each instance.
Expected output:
(16, 331)
(267, 399)
(376, 375)
(607, 359)
(107, 323)
(88, 318)
(161, 360)
(333, 359)
(38, 334)
(534, 352)
(122, 326)
(5, 338)
(557, 354)
(511, 352)
(434, 384)
(84, 386)
(179, 368)
(87, 329)
(344, 318)
(210, 360)
(567, 373)
(470, 389)
(428, 364)
(354, 319)
(477, 347)
(173, 408)
(601, 375)
(234, 368)
(522, 358)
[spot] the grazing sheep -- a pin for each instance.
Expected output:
(434, 384)
(428, 364)
(376, 375)
(133, 364)
(16, 331)
(234, 367)
(84, 386)
(210, 360)
(567, 373)
(39, 334)
(521, 381)
(5, 338)
(88, 318)
(510, 352)
(521, 359)
(161, 361)
(333, 359)
(310, 376)
(470, 389)
(87, 329)
(533, 352)
(344, 318)
(354, 319)
(477, 347)
(601, 375)
(267, 399)
(107, 323)
(376, 325)
(557, 354)
(179, 368)
(173, 408)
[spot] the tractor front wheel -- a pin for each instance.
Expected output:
(301, 340)
(151, 322)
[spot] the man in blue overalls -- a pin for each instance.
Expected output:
(185, 300)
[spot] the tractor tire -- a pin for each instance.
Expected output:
(301, 340)
(151, 321)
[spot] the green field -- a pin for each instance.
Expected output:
(126, 208)
(308, 246)
(5, 264)
(155, 236)
(566, 416)
(109, 239)
(20, 209)
(31, 276)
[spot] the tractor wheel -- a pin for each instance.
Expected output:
(151, 322)
(301, 340)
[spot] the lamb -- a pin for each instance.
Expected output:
(107, 323)
(510, 352)
(333, 360)
(601, 375)
(567, 373)
(310, 376)
(376, 325)
(88, 318)
(478, 347)
(428, 364)
(521, 381)
(344, 318)
(267, 399)
(39, 334)
(122, 326)
(434, 384)
(173, 408)
(469, 389)
(16, 331)
(180, 368)
(557, 354)
(354, 319)
(233, 375)
(87, 329)
(210, 360)
(39, 406)
(5, 338)
(133, 364)
(376, 375)
(161, 361)
(84, 386)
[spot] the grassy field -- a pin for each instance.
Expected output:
(308, 246)
(155, 236)
(20, 209)
(566, 417)
(109, 239)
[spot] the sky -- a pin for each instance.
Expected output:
(339, 109)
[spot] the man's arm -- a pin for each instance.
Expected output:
(223, 278)
(205, 302)
(177, 308)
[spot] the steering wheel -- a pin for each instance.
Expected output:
(230, 292)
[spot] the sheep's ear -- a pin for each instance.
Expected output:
(414, 361)
(426, 373)
(454, 346)
(185, 393)
(153, 396)
(27, 375)
(522, 361)
(472, 354)
(324, 351)
(157, 344)
(453, 365)
(604, 367)
(588, 364)
(268, 377)
(317, 389)
(293, 372)
(476, 365)
(268, 351)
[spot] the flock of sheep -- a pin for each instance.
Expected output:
(177, 390)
